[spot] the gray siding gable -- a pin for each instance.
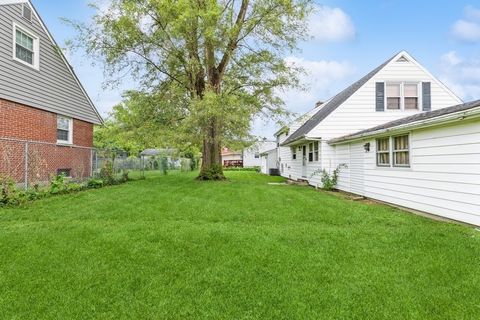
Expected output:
(54, 87)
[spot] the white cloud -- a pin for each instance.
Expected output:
(462, 75)
(323, 79)
(468, 28)
(451, 59)
(331, 24)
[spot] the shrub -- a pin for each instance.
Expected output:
(58, 184)
(95, 183)
(107, 174)
(164, 165)
(123, 177)
(329, 182)
(215, 172)
(74, 187)
(9, 193)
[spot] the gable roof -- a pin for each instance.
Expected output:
(95, 114)
(420, 117)
(333, 104)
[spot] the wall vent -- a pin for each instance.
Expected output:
(402, 59)
(27, 12)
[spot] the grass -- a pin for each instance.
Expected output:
(175, 248)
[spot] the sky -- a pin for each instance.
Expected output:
(348, 39)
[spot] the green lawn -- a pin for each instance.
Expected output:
(174, 248)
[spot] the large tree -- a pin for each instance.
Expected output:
(215, 64)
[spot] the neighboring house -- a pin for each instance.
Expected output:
(232, 158)
(41, 99)
(269, 162)
(398, 140)
(251, 155)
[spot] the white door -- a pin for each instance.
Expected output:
(304, 161)
(357, 178)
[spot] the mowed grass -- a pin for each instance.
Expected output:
(175, 248)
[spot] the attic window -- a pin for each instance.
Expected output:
(402, 59)
(27, 13)
(26, 48)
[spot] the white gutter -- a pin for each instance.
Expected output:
(452, 117)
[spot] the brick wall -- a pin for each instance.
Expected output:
(46, 158)
(22, 122)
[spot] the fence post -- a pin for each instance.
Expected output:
(91, 163)
(26, 165)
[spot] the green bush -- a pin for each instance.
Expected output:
(329, 182)
(164, 165)
(58, 184)
(107, 174)
(94, 183)
(123, 177)
(9, 193)
(75, 187)
(215, 172)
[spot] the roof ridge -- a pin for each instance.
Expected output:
(411, 119)
(332, 104)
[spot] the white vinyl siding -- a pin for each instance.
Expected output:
(443, 179)
(358, 112)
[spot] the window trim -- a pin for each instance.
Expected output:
(316, 151)
(391, 152)
(392, 138)
(402, 96)
(310, 152)
(294, 153)
(36, 46)
(70, 131)
(383, 165)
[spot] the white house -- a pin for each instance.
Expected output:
(251, 155)
(402, 136)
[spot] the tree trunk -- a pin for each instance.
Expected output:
(212, 168)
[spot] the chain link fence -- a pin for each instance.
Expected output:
(30, 163)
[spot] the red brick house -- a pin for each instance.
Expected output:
(46, 116)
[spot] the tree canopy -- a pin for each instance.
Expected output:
(204, 68)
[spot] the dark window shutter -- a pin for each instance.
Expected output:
(380, 96)
(426, 96)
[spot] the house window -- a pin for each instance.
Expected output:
(383, 152)
(257, 155)
(410, 91)
(402, 96)
(396, 148)
(310, 152)
(294, 153)
(393, 96)
(401, 151)
(26, 47)
(315, 151)
(64, 129)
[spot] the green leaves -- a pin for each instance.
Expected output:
(196, 60)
